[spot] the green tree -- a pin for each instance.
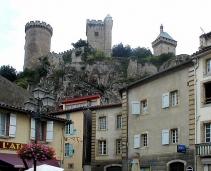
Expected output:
(141, 52)
(97, 54)
(8, 72)
(79, 43)
(121, 51)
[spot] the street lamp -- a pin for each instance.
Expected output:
(43, 99)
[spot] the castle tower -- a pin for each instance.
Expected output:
(164, 43)
(37, 42)
(99, 33)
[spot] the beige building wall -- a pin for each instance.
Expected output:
(156, 118)
(22, 136)
(77, 141)
(164, 47)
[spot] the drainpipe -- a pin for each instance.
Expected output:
(196, 65)
(127, 131)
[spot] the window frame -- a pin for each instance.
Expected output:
(10, 122)
(144, 139)
(205, 134)
(174, 98)
(118, 146)
(208, 61)
(144, 106)
(96, 33)
(174, 136)
(102, 124)
(68, 151)
(119, 121)
(102, 147)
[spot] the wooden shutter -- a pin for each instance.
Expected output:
(32, 135)
(71, 128)
(49, 131)
(12, 129)
(165, 100)
(71, 149)
(135, 107)
(137, 141)
(165, 137)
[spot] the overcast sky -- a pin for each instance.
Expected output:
(135, 22)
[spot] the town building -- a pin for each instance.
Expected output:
(156, 121)
(202, 97)
(17, 128)
(106, 146)
(77, 143)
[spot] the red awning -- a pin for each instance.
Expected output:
(12, 159)
(16, 162)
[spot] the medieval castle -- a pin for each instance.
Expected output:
(99, 35)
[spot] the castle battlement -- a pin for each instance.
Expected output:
(39, 24)
(95, 22)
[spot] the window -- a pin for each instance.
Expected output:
(70, 166)
(45, 130)
(102, 124)
(207, 93)
(68, 150)
(208, 68)
(96, 33)
(174, 136)
(119, 121)
(7, 124)
(174, 98)
(207, 128)
(118, 146)
(144, 106)
(170, 99)
(69, 129)
(144, 140)
(102, 147)
(167, 138)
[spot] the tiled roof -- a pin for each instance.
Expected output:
(77, 99)
(201, 51)
(22, 110)
(87, 107)
(165, 35)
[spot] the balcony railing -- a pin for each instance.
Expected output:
(203, 149)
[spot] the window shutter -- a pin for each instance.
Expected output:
(70, 149)
(137, 141)
(135, 107)
(165, 137)
(12, 129)
(49, 131)
(32, 136)
(165, 100)
(71, 128)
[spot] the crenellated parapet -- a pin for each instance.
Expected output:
(94, 22)
(39, 24)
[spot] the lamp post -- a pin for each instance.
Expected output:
(43, 99)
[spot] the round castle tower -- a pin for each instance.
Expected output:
(37, 42)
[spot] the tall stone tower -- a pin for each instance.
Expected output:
(99, 33)
(37, 42)
(164, 43)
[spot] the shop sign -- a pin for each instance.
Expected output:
(10, 145)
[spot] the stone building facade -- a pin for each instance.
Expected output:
(156, 118)
(164, 43)
(99, 33)
(37, 42)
